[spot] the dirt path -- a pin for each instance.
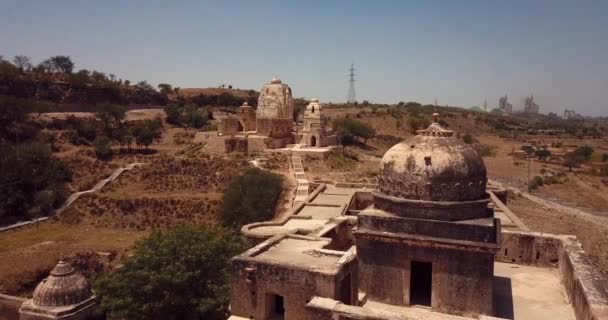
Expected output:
(548, 216)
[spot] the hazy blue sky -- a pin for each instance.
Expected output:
(460, 52)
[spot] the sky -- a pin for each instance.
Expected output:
(458, 52)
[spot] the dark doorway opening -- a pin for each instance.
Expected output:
(421, 281)
(276, 307)
(345, 291)
(240, 127)
(313, 141)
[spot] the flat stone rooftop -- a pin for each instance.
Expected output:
(524, 292)
(520, 293)
(317, 211)
(301, 252)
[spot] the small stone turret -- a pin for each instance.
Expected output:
(64, 294)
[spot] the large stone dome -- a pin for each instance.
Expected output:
(63, 287)
(275, 101)
(433, 166)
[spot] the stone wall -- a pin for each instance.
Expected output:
(253, 287)
(9, 307)
(230, 126)
(275, 128)
(530, 248)
(586, 289)
(236, 144)
(384, 269)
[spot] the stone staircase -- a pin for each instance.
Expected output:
(298, 169)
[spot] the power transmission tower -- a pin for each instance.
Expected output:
(351, 97)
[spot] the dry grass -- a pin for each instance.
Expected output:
(29, 253)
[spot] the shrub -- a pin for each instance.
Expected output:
(103, 147)
(387, 140)
(542, 154)
(349, 130)
(468, 138)
(251, 197)
(536, 182)
(179, 274)
(30, 177)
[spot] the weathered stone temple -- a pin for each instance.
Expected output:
(272, 125)
(425, 243)
(430, 239)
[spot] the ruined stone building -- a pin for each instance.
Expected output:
(64, 295)
(272, 125)
(430, 241)
(314, 132)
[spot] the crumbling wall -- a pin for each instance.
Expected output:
(236, 144)
(229, 126)
(529, 248)
(252, 286)
(586, 289)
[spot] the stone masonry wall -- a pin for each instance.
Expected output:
(529, 248)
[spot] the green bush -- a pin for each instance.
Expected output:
(31, 179)
(178, 274)
(468, 138)
(251, 197)
(536, 182)
(349, 130)
(103, 147)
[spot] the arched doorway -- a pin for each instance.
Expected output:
(313, 141)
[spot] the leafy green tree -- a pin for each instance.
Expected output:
(178, 274)
(349, 130)
(27, 170)
(144, 137)
(246, 201)
(543, 154)
(144, 85)
(194, 116)
(165, 88)
(111, 115)
(174, 113)
(417, 123)
(62, 64)
(584, 152)
(22, 62)
(103, 147)
(573, 159)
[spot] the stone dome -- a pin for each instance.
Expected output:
(63, 287)
(275, 101)
(433, 166)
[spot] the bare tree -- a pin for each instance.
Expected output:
(22, 62)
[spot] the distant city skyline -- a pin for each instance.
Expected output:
(458, 52)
